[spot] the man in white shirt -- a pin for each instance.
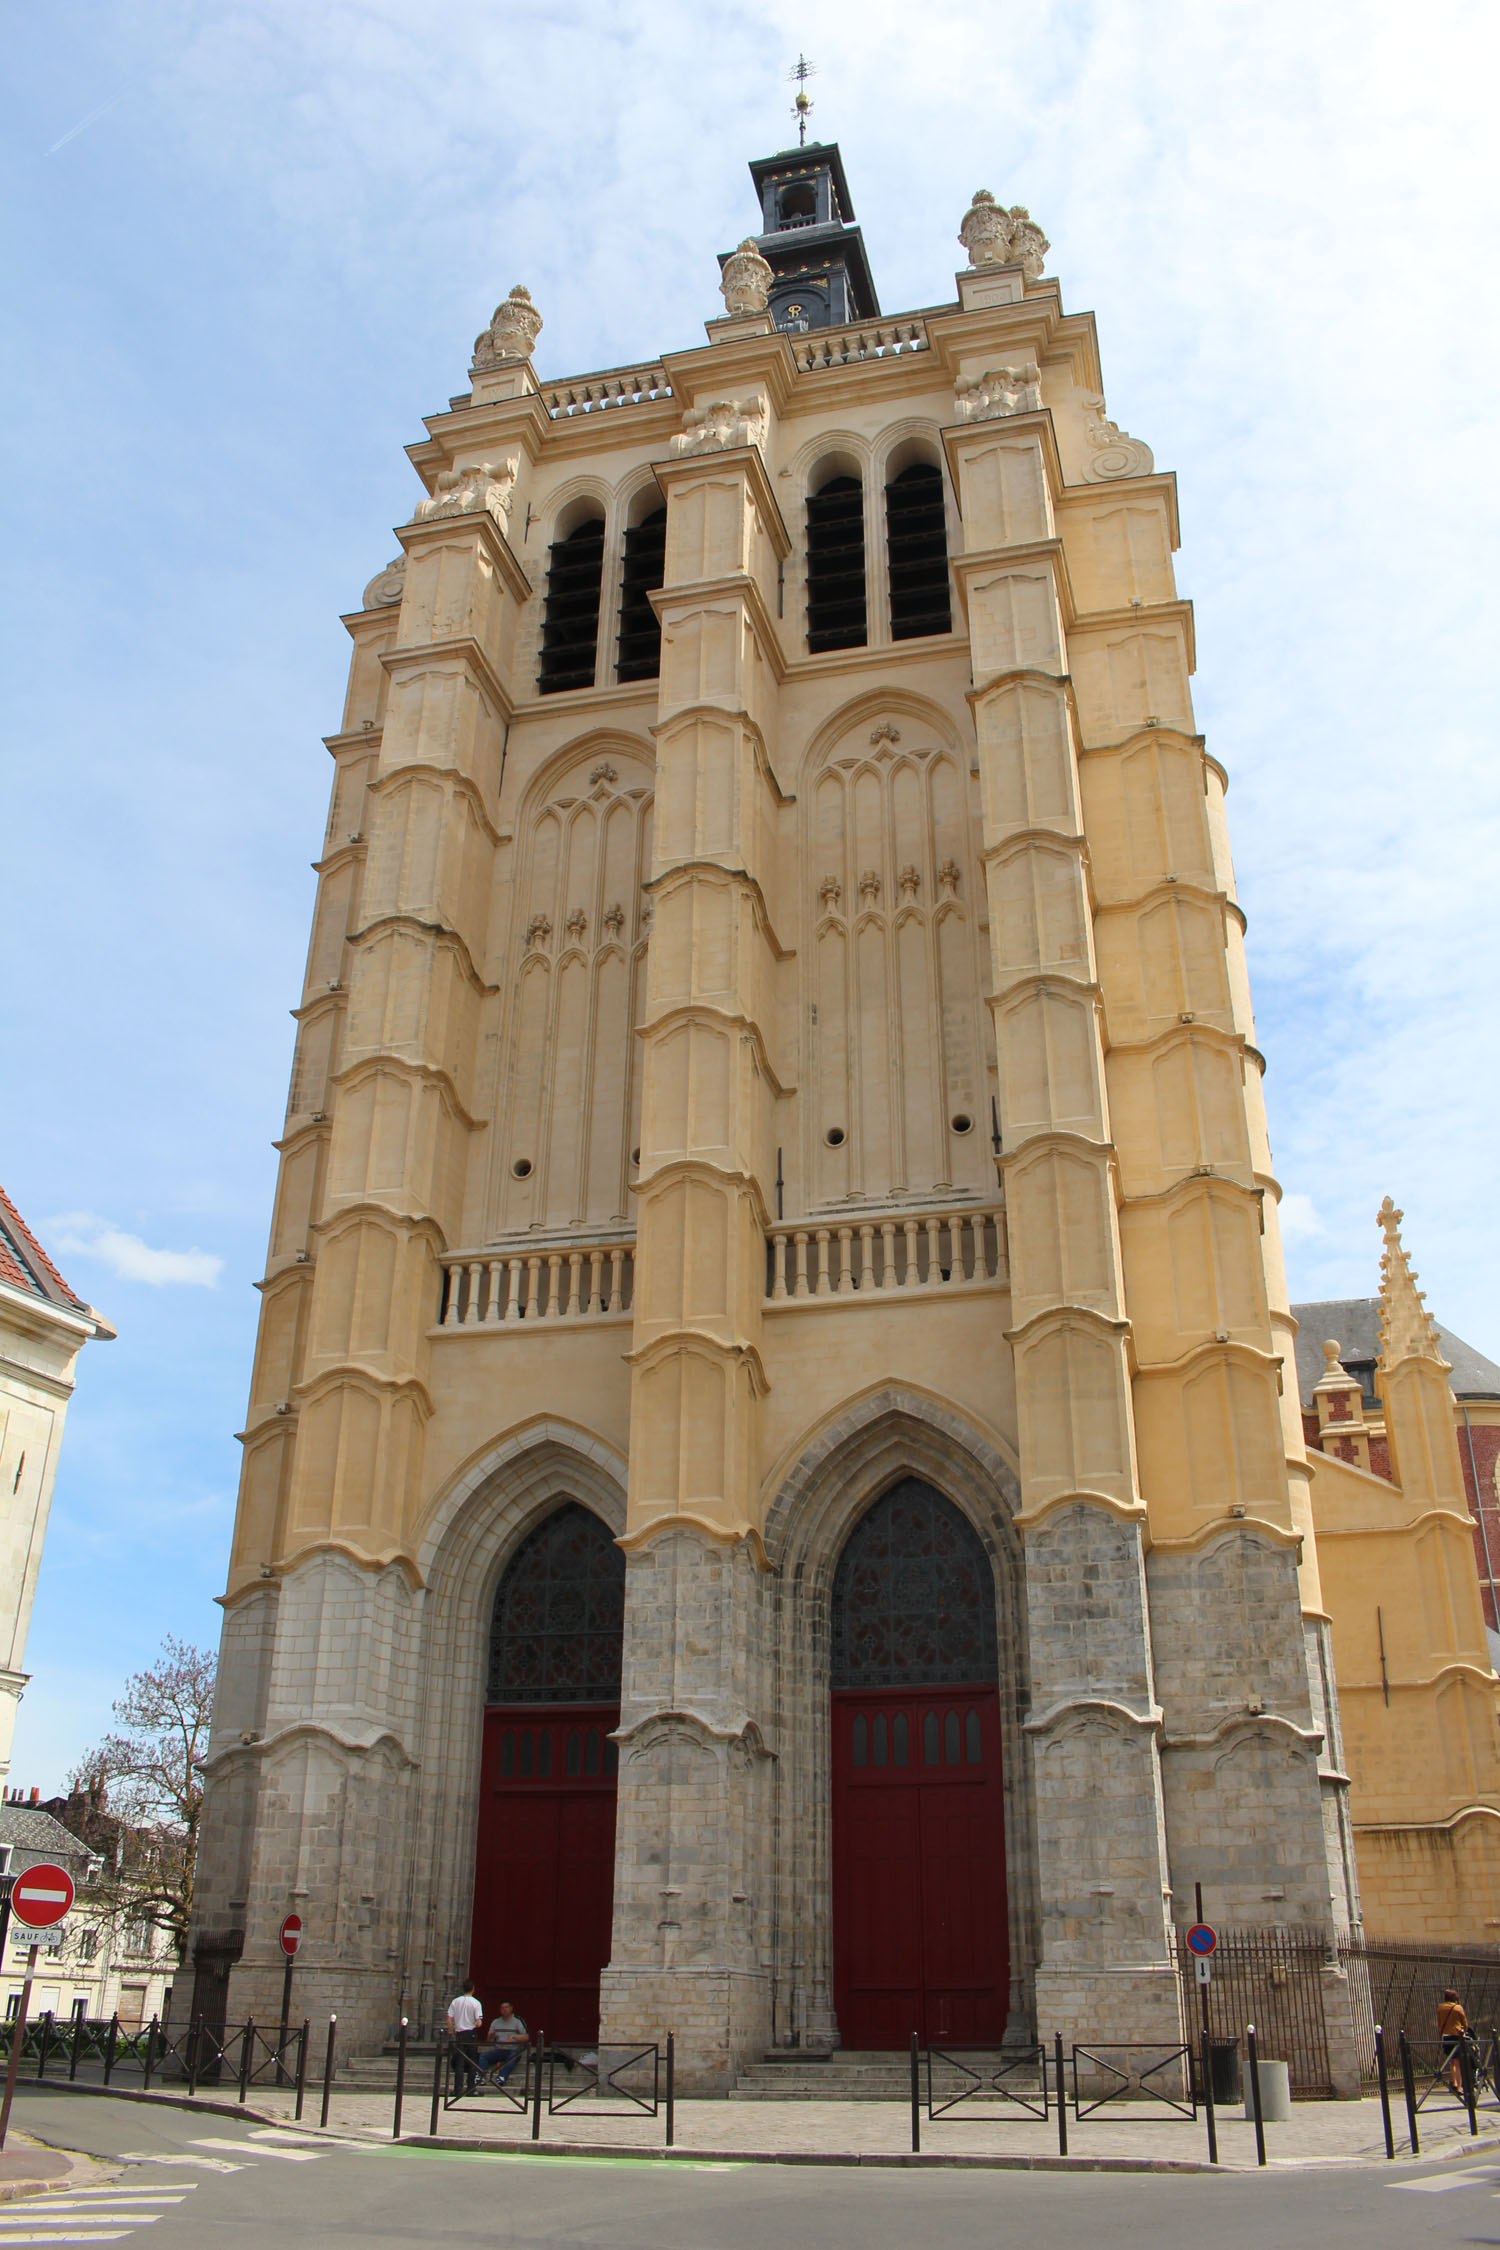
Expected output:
(464, 2018)
(508, 2036)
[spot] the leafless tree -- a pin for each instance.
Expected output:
(141, 1793)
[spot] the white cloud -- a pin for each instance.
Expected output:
(78, 1234)
(1299, 1218)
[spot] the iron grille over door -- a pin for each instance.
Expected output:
(559, 1615)
(913, 1596)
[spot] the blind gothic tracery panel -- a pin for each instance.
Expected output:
(570, 1094)
(559, 1615)
(913, 1597)
(900, 1045)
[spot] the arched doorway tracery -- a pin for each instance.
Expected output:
(921, 1939)
(544, 1872)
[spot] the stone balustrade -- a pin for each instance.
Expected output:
(866, 1257)
(542, 1281)
(868, 339)
(616, 386)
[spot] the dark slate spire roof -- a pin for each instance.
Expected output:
(1355, 1323)
(817, 254)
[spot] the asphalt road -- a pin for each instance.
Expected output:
(215, 2183)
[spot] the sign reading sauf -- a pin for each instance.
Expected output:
(770, 1509)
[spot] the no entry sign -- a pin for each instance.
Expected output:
(291, 1934)
(42, 1895)
(1202, 1939)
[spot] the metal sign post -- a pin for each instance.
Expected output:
(38, 1898)
(291, 1938)
(1202, 1940)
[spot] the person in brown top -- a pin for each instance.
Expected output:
(1453, 2025)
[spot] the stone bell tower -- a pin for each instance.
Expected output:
(772, 1348)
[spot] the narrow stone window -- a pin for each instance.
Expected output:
(859, 1747)
(880, 1738)
(899, 1743)
(932, 1749)
(917, 545)
(570, 623)
(950, 1738)
(836, 566)
(973, 1744)
(640, 627)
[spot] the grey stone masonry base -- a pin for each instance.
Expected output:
(720, 2019)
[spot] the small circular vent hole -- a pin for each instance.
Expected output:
(521, 1169)
(635, 1156)
(834, 1136)
(962, 1124)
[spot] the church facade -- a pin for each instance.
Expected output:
(770, 1503)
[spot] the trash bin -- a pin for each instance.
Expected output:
(1224, 2063)
(1275, 2092)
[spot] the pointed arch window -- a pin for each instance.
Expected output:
(917, 544)
(556, 1633)
(913, 1602)
(644, 569)
(570, 622)
(836, 566)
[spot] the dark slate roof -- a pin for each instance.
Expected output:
(35, 1835)
(1355, 1321)
(25, 1265)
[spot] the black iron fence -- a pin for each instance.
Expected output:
(91, 2051)
(1275, 1979)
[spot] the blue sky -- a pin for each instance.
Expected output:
(248, 247)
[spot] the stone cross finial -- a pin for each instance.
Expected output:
(1407, 1328)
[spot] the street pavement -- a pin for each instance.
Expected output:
(217, 2183)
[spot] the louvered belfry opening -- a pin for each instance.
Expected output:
(917, 543)
(836, 566)
(570, 624)
(644, 568)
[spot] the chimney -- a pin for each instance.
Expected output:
(36, 1796)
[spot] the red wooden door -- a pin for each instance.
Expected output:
(545, 1869)
(920, 1929)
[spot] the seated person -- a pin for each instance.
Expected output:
(508, 2037)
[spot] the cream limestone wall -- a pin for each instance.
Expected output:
(639, 1149)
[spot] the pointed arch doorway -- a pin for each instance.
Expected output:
(545, 1864)
(920, 1921)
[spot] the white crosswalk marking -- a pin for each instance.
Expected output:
(81, 2215)
(114, 2234)
(285, 2155)
(1442, 2186)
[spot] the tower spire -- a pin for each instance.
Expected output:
(801, 71)
(1407, 1328)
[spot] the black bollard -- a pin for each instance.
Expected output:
(1260, 2128)
(437, 2083)
(1385, 2091)
(73, 2059)
(41, 2065)
(194, 2030)
(1466, 2081)
(150, 2051)
(333, 2023)
(302, 2043)
(536, 2097)
(110, 2044)
(1062, 2094)
(247, 2058)
(1208, 2102)
(1410, 2092)
(671, 2088)
(916, 2097)
(400, 2081)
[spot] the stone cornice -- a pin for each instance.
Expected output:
(1134, 620)
(701, 1343)
(1079, 497)
(424, 769)
(738, 712)
(1099, 1706)
(1000, 561)
(443, 932)
(880, 657)
(743, 1731)
(699, 1167)
(684, 872)
(711, 593)
(684, 1519)
(441, 656)
(459, 530)
(959, 437)
(687, 468)
(725, 1019)
(382, 1060)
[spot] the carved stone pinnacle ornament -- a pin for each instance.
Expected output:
(487, 485)
(513, 331)
(746, 280)
(994, 236)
